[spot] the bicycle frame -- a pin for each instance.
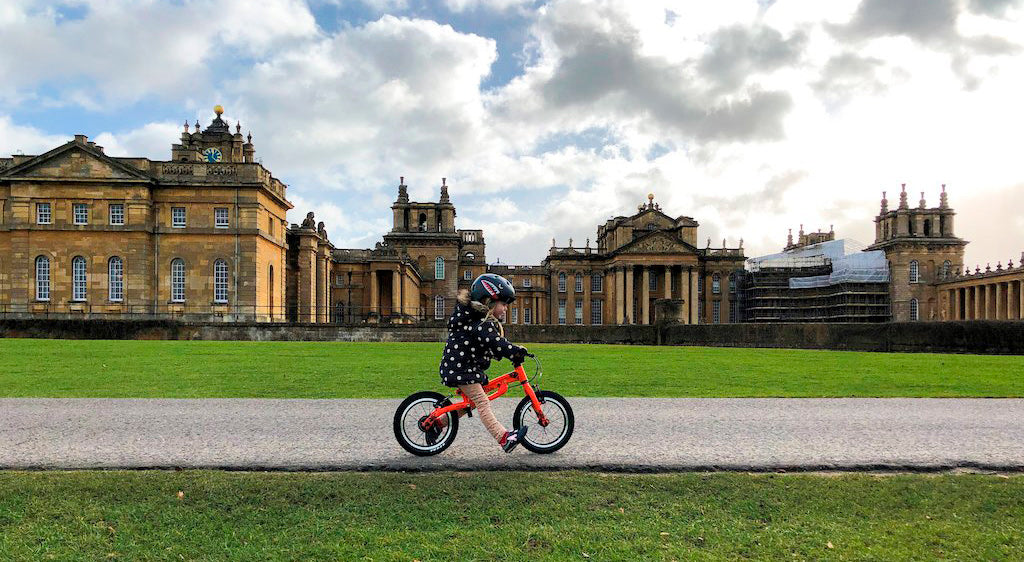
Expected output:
(500, 387)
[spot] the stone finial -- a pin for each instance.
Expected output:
(444, 191)
(238, 127)
(977, 269)
(789, 238)
(186, 125)
(922, 204)
(999, 265)
(988, 267)
(588, 242)
(741, 243)
(831, 229)
(309, 221)
(723, 243)
(885, 203)
(197, 125)
(570, 242)
(403, 190)
(249, 137)
(552, 242)
(1009, 264)
(709, 242)
(903, 196)
(943, 199)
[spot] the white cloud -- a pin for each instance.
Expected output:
(19, 139)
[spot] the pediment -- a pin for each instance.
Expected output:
(75, 160)
(657, 242)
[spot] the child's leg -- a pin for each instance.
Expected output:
(476, 394)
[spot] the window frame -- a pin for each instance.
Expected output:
(514, 316)
(115, 282)
(527, 315)
(596, 282)
(40, 206)
(596, 312)
(578, 311)
(716, 284)
(217, 212)
(75, 208)
(43, 278)
(914, 271)
(528, 283)
(467, 275)
(79, 279)
(174, 217)
(111, 214)
(438, 307)
(652, 281)
(915, 310)
(220, 281)
(439, 268)
(561, 282)
(578, 283)
(561, 312)
(716, 312)
(178, 280)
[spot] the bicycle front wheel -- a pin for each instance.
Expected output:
(550, 438)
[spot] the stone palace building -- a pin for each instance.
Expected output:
(204, 236)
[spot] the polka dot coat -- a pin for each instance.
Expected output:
(472, 343)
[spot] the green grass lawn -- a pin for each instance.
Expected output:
(179, 369)
(507, 516)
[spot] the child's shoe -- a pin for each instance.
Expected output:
(512, 438)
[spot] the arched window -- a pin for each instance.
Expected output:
(915, 275)
(470, 256)
(438, 307)
(220, 281)
(561, 282)
(946, 266)
(579, 283)
(914, 314)
(177, 280)
(716, 283)
(439, 268)
(79, 281)
(423, 222)
(115, 279)
(42, 278)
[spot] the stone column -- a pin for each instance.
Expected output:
(374, 295)
(645, 295)
(1011, 300)
(979, 302)
(694, 276)
(620, 291)
(1000, 308)
(668, 281)
(990, 302)
(587, 280)
(396, 293)
(726, 304)
(682, 285)
(630, 317)
(1020, 300)
(955, 297)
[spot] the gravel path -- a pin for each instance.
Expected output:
(611, 434)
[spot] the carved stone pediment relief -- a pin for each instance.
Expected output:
(656, 244)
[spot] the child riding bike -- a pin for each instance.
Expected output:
(475, 336)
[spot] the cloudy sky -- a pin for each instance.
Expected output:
(549, 117)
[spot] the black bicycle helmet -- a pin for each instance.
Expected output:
(494, 287)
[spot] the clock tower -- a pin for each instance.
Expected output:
(214, 144)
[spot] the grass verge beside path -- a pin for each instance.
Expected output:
(200, 369)
(508, 516)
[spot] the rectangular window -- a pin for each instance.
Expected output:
(178, 217)
(561, 311)
(79, 281)
(270, 225)
(117, 214)
(671, 282)
(81, 213)
(579, 312)
(220, 217)
(220, 281)
(515, 316)
(700, 284)
(652, 282)
(116, 278)
(42, 278)
(596, 283)
(438, 307)
(527, 282)
(732, 312)
(700, 311)
(716, 312)
(596, 316)
(43, 215)
(561, 282)
(527, 316)
(467, 275)
(579, 283)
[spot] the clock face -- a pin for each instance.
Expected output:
(212, 155)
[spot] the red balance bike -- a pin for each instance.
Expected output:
(547, 414)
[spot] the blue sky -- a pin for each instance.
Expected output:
(547, 117)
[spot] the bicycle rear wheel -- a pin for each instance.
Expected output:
(561, 421)
(408, 432)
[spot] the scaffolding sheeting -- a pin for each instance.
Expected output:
(849, 265)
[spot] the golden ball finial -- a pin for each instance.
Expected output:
(650, 197)
(218, 110)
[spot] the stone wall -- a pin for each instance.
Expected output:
(956, 337)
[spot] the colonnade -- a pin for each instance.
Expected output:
(997, 300)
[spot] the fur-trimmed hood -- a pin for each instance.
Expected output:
(476, 306)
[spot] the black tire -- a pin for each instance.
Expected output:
(537, 437)
(407, 430)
